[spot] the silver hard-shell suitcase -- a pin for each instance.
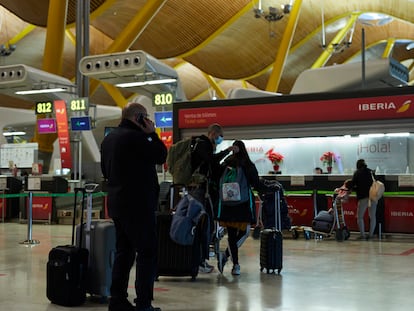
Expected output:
(99, 238)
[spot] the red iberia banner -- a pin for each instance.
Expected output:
(63, 133)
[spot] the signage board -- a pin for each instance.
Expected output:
(80, 123)
(163, 119)
(46, 126)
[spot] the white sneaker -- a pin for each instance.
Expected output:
(235, 270)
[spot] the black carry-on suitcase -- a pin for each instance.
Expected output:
(175, 259)
(67, 269)
(99, 238)
(271, 243)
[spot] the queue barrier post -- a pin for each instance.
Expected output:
(33, 184)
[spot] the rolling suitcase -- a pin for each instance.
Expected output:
(175, 259)
(323, 222)
(271, 243)
(67, 268)
(99, 238)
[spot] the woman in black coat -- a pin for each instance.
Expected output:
(361, 182)
(237, 219)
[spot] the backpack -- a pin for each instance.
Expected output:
(234, 188)
(179, 160)
(236, 202)
(185, 219)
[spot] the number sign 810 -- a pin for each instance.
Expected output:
(162, 99)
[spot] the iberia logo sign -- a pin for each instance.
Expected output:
(404, 107)
(385, 106)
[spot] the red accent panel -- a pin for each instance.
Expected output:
(41, 207)
(352, 109)
(3, 205)
(399, 215)
(63, 133)
(300, 209)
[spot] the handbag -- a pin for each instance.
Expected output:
(376, 190)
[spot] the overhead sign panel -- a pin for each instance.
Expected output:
(163, 119)
(80, 123)
(45, 126)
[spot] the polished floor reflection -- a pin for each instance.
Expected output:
(317, 275)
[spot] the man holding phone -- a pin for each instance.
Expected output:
(129, 157)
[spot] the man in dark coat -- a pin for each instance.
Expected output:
(207, 161)
(129, 157)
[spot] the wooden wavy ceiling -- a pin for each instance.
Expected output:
(220, 38)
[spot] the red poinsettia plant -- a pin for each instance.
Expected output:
(328, 158)
(274, 157)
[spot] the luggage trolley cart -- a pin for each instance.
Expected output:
(326, 223)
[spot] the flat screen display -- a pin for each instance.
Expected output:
(80, 123)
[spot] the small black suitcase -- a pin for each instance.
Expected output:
(175, 259)
(67, 269)
(271, 244)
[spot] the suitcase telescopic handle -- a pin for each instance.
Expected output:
(77, 190)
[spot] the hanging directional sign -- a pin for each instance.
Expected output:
(80, 123)
(163, 119)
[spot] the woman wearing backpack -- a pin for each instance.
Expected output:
(237, 217)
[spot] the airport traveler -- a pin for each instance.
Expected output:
(318, 170)
(129, 157)
(237, 218)
(361, 182)
(206, 162)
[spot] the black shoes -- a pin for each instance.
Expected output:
(150, 308)
(116, 304)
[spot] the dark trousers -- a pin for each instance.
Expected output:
(130, 248)
(235, 237)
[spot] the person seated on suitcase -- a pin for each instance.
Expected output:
(129, 155)
(237, 219)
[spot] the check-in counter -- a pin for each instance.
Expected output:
(395, 211)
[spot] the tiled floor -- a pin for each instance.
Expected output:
(318, 275)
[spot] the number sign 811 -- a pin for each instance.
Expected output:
(79, 104)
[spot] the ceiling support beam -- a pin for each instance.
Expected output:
(27, 30)
(388, 48)
(115, 93)
(132, 31)
(283, 50)
(55, 36)
(327, 53)
(53, 58)
(219, 91)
